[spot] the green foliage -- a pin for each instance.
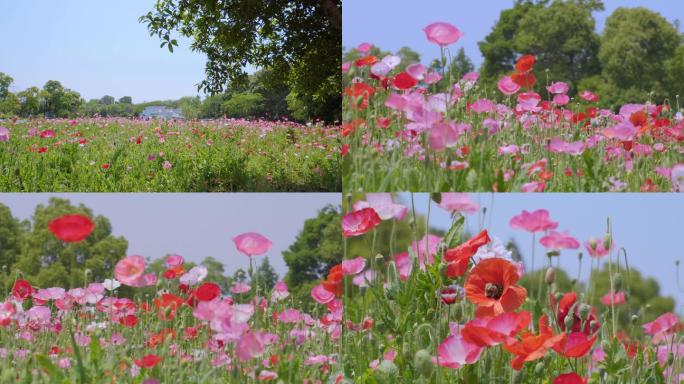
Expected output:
(5, 82)
(244, 105)
(299, 40)
(10, 105)
(266, 275)
(316, 249)
(46, 261)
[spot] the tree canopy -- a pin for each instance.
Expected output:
(299, 40)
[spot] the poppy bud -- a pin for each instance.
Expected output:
(422, 361)
(670, 358)
(388, 368)
(647, 307)
(580, 255)
(550, 276)
(558, 296)
(551, 254)
(392, 274)
(593, 244)
(379, 259)
(607, 241)
(518, 377)
(635, 319)
(584, 311)
(617, 282)
(676, 263)
(568, 321)
(539, 369)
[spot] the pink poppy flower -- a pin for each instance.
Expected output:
(432, 78)
(426, 256)
(403, 262)
(346, 66)
(442, 136)
(623, 131)
(561, 99)
(508, 149)
(507, 86)
(280, 291)
(289, 316)
(417, 71)
(442, 33)
(677, 176)
(455, 352)
(383, 205)
(174, 261)
(482, 106)
(589, 96)
(536, 221)
(597, 248)
(569, 378)
(250, 346)
(129, 271)
(239, 288)
(194, 275)
(47, 294)
(364, 47)
(490, 331)
(380, 69)
(266, 375)
(663, 326)
(353, 266)
(613, 298)
(4, 134)
(252, 244)
(557, 241)
(359, 222)
(458, 202)
(322, 295)
(558, 88)
(46, 134)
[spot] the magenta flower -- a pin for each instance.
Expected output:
(455, 352)
(252, 244)
(432, 242)
(250, 346)
(353, 266)
(442, 33)
(557, 241)
(174, 261)
(239, 288)
(322, 295)
(129, 271)
(364, 47)
(417, 71)
(442, 136)
(660, 328)
(677, 176)
(404, 265)
(507, 86)
(383, 205)
(482, 106)
(613, 298)
(558, 87)
(597, 248)
(167, 165)
(4, 134)
(359, 222)
(536, 221)
(458, 202)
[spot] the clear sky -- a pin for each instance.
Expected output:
(648, 226)
(194, 225)
(391, 24)
(94, 47)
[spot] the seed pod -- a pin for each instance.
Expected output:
(550, 276)
(539, 369)
(422, 361)
(568, 321)
(584, 311)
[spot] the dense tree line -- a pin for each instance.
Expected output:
(638, 57)
(262, 96)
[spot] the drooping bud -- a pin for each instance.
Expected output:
(550, 276)
(422, 361)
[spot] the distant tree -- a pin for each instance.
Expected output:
(215, 273)
(59, 101)
(408, 56)
(10, 105)
(460, 65)
(675, 76)
(299, 40)
(267, 275)
(12, 232)
(635, 46)
(190, 106)
(107, 100)
(245, 105)
(561, 34)
(212, 106)
(5, 82)
(46, 261)
(30, 101)
(126, 100)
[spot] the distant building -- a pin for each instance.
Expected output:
(161, 112)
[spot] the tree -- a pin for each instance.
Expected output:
(5, 82)
(46, 261)
(460, 65)
(10, 105)
(244, 105)
(190, 106)
(30, 101)
(316, 249)
(60, 101)
(126, 100)
(675, 74)
(107, 100)
(267, 276)
(560, 34)
(299, 40)
(11, 236)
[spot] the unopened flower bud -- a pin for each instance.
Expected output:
(617, 282)
(539, 369)
(635, 319)
(388, 368)
(422, 361)
(607, 241)
(584, 311)
(553, 253)
(550, 276)
(568, 321)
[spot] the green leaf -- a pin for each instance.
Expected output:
(453, 235)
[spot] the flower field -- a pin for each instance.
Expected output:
(460, 308)
(118, 154)
(413, 127)
(175, 327)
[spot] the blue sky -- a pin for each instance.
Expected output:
(194, 225)
(391, 24)
(95, 48)
(648, 226)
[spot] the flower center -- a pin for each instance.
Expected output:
(493, 291)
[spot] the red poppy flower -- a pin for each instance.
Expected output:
(42, 149)
(490, 331)
(360, 89)
(566, 303)
(532, 347)
(525, 80)
(366, 60)
(359, 222)
(167, 304)
(577, 344)
(333, 283)
(148, 361)
(458, 258)
(22, 289)
(404, 81)
(71, 228)
(525, 63)
(491, 286)
(569, 378)
(104, 166)
(207, 292)
(129, 321)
